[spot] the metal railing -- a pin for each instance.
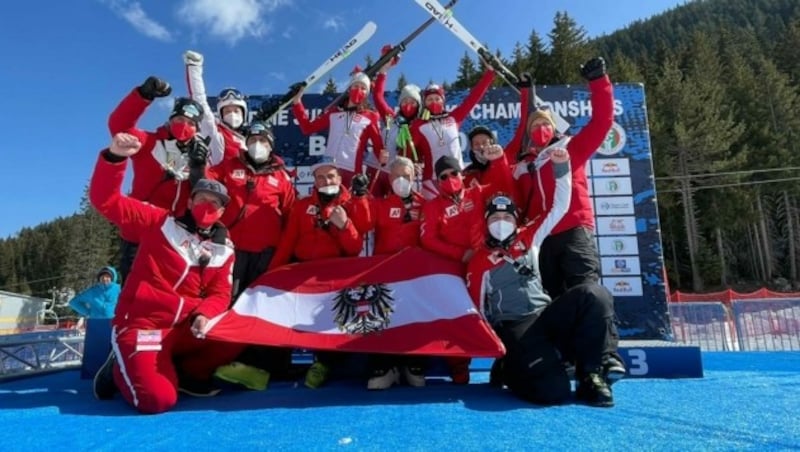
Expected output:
(40, 352)
(746, 325)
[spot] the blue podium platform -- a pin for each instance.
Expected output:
(643, 358)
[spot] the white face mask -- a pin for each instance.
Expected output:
(233, 119)
(401, 187)
(329, 190)
(502, 229)
(259, 151)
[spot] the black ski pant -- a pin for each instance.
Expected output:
(567, 259)
(248, 267)
(577, 326)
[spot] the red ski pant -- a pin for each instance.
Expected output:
(148, 379)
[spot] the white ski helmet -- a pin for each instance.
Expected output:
(232, 96)
(360, 77)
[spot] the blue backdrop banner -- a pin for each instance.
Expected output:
(621, 184)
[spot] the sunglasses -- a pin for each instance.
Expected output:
(231, 93)
(445, 176)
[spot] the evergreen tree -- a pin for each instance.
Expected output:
(787, 52)
(467, 74)
(568, 50)
(622, 69)
(535, 56)
(401, 81)
(330, 87)
(92, 245)
(694, 129)
(519, 60)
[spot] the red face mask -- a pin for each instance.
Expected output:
(205, 214)
(541, 135)
(357, 96)
(436, 108)
(408, 110)
(182, 131)
(451, 186)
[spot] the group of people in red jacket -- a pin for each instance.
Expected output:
(212, 207)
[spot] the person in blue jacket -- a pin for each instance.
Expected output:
(98, 301)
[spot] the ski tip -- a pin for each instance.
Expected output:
(371, 26)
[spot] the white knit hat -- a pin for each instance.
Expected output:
(361, 78)
(410, 91)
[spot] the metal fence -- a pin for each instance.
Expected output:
(747, 325)
(40, 352)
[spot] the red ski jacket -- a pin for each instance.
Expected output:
(260, 201)
(348, 132)
(160, 169)
(497, 174)
(450, 226)
(396, 224)
(176, 274)
(536, 190)
(435, 138)
(310, 236)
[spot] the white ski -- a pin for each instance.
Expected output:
(366, 32)
(445, 17)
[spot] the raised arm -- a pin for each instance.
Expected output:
(513, 147)
(562, 197)
(591, 136)
(197, 91)
(308, 127)
(132, 107)
(130, 215)
(476, 93)
(379, 99)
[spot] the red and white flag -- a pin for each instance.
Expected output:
(412, 302)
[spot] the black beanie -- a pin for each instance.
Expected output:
(446, 162)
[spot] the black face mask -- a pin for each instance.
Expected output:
(325, 198)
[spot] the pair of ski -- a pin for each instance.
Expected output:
(439, 13)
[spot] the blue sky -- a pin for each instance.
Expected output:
(66, 64)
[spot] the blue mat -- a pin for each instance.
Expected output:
(747, 401)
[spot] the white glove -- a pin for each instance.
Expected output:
(193, 58)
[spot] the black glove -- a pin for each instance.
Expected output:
(198, 153)
(593, 69)
(360, 185)
(154, 87)
(525, 80)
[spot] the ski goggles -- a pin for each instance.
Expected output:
(230, 94)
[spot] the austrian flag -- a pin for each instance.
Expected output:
(412, 302)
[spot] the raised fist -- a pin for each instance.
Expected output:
(493, 152)
(300, 87)
(198, 153)
(338, 217)
(154, 87)
(525, 80)
(559, 155)
(593, 69)
(192, 58)
(360, 185)
(124, 145)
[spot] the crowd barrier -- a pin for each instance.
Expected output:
(766, 324)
